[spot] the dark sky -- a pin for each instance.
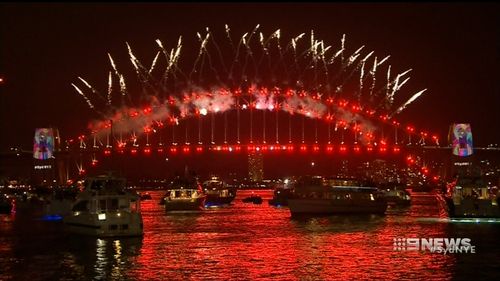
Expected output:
(453, 49)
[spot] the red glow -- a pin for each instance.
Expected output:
(147, 150)
(290, 148)
(303, 148)
(133, 151)
(199, 148)
(186, 149)
(251, 148)
(315, 148)
(160, 150)
(107, 152)
(264, 148)
(173, 149)
(237, 148)
(396, 149)
(343, 148)
(121, 151)
(329, 148)
(147, 110)
(357, 149)
(383, 149)
(369, 148)
(410, 129)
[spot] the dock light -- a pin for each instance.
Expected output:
(101, 217)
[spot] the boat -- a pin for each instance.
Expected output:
(396, 194)
(184, 194)
(469, 197)
(145, 196)
(5, 204)
(281, 195)
(252, 199)
(397, 197)
(314, 195)
(218, 192)
(59, 203)
(104, 208)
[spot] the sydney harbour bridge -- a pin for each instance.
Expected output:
(246, 94)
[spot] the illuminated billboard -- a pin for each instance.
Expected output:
(43, 146)
(461, 139)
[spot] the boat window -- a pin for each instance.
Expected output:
(102, 204)
(113, 204)
(81, 206)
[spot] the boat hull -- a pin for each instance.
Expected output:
(191, 204)
(332, 207)
(472, 208)
(126, 224)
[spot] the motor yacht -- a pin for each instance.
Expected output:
(105, 208)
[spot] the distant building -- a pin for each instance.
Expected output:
(255, 166)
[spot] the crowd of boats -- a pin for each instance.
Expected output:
(104, 206)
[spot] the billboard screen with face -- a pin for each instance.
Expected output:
(461, 139)
(43, 145)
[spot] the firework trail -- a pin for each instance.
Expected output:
(110, 87)
(83, 95)
(410, 100)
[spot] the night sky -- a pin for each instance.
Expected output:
(453, 49)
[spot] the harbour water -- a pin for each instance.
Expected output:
(250, 242)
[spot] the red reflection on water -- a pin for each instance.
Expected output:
(246, 241)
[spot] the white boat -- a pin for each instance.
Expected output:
(106, 209)
(315, 196)
(184, 194)
(218, 192)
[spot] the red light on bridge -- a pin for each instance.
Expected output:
(173, 149)
(186, 149)
(357, 149)
(343, 148)
(147, 150)
(290, 148)
(410, 129)
(396, 149)
(81, 172)
(315, 148)
(303, 148)
(251, 148)
(382, 149)
(121, 151)
(107, 152)
(147, 110)
(133, 151)
(237, 148)
(160, 150)
(264, 148)
(199, 148)
(94, 163)
(329, 148)
(369, 148)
